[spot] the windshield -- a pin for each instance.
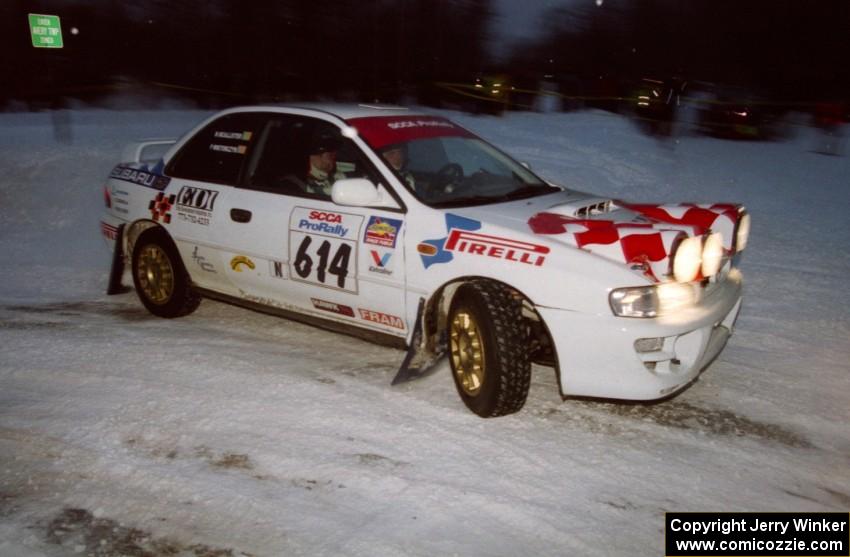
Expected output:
(458, 171)
(444, 165)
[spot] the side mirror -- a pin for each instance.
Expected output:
(360, 192)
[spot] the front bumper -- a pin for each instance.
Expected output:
(597, 357)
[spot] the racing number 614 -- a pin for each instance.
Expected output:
(338, 266)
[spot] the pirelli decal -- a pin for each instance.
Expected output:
(464, 241)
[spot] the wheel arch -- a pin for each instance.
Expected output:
(436, 311)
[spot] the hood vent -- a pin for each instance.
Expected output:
(582, 208)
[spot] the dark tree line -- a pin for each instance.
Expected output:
(261, 49)
(785, 49)
(231, 51)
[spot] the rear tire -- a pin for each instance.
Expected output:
(161, 280)
(488, 348)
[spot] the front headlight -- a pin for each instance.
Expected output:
(641, 301)
(687, 259)
(742, 234)
(651, 301)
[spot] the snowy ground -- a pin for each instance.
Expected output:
(234, 433)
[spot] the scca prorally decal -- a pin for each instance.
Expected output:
(433, 252)
(324, 222)
(381, 318)
(202, 262)
(382, 231)
(323, 248)
(380, 262)
(195, 205)
(160, 207)
(109, 231)
(332, 307)
(494, 246)
(147, 178)
(240, 261)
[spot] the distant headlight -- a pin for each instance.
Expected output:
(687, 259)
(651, 301)
(712, 254)
(742, 234)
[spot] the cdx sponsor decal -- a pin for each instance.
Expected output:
(332, 307)
(195, 205)
(382, 231)
(381, 318)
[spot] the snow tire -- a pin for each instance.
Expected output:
(488, 348)
(160, 278)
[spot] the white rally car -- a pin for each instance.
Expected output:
(432, 240)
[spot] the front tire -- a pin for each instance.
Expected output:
(487, 348)
(161, 280)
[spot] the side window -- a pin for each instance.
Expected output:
(218, 152)
(300, 156)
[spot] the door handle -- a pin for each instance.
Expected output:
(240, 215)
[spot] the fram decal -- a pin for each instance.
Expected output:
(381, 318)
(160, 207)
(240, 260)
(140, 177)
(493, 246)
(382, 231)
(332, 307)
(380, 262)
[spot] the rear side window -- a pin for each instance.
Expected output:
(218, 152)
(280, 160)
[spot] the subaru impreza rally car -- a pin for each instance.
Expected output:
(453, 249)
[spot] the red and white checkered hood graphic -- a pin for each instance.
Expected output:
(647, 240)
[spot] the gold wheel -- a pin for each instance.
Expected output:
(155, 274)
(467, 350)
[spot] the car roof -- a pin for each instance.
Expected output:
(340, 110)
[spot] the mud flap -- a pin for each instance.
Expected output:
(419, 362)
(117, 269)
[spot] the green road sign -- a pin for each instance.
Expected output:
(45, 31)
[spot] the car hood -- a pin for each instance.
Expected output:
(640, 235)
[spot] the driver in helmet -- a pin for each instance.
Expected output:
(322, 171)
(396, 157)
